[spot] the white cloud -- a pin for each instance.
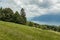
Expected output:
(18, 2)
(55, 9)
(40, 0)
(34, 7)
(54, 1)
(39, 7)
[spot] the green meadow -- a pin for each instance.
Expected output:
(13, 31)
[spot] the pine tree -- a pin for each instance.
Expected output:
(23, 16)
(17, 17)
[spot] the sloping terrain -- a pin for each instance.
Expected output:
(12, 31)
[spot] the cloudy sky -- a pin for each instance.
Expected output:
(33, 8)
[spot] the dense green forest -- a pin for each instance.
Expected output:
(7, 14)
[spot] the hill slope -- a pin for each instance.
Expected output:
(12, 31)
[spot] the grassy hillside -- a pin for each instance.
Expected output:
(12, 31)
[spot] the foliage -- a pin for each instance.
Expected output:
(30, 24)
(7, 14)
(23, 16)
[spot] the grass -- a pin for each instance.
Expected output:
(12, 31)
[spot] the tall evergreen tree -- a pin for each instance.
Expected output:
(23, 16)
(17, 17)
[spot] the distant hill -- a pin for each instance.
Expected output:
(48, 18)
(12, 31)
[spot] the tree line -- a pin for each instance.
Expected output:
(7, 14)
(45, 27)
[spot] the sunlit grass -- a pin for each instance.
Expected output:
(12, 31)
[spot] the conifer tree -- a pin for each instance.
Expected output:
(23, 16)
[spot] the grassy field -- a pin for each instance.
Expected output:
(12, 31)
